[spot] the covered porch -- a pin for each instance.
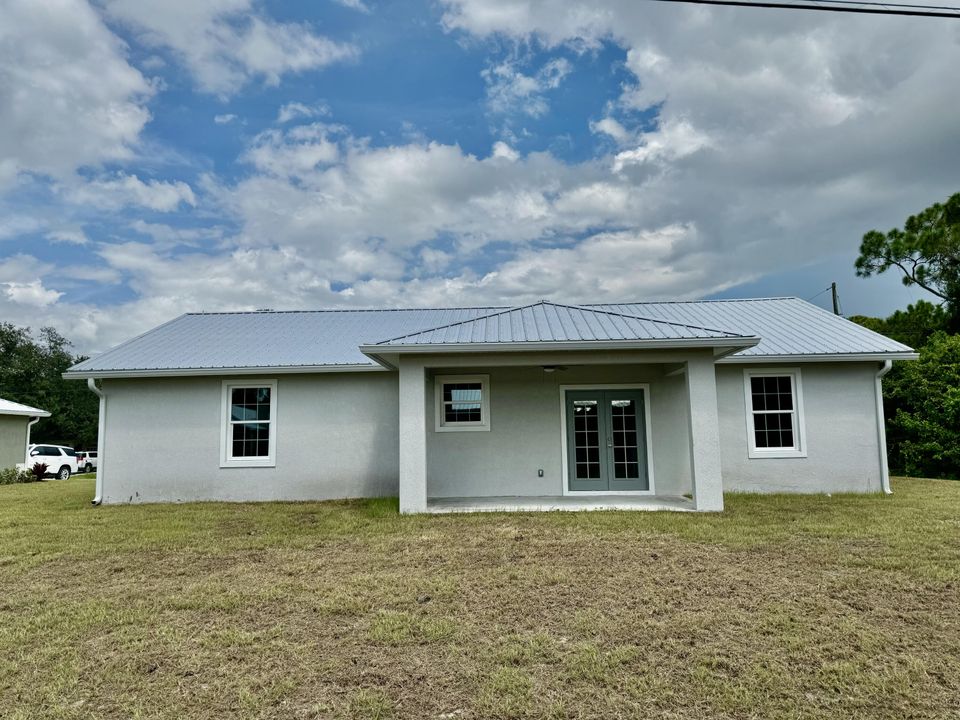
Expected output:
(626, 423)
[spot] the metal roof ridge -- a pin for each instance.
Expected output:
(701, 301)
(345, 310)
(581, 308)
(500, 311)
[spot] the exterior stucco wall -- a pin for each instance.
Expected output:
(843, 450)
(13, 440)
(337, 437)
(525, 432)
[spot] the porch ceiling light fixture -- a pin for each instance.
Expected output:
(552, 368)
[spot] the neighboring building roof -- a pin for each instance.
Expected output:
(331, 339)
(8, 407)
(547, 322)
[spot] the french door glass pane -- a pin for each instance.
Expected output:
(586, 430)
(623, 417)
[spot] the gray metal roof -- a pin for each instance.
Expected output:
(788, 327)
(551, 322)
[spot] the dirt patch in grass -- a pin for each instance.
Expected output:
(814, 607)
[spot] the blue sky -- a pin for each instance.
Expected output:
(158, 158)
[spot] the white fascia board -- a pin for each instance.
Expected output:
(33, 412)
(819, 357)
(222, 372)
(739, 343)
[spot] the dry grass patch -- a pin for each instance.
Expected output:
(781, 607)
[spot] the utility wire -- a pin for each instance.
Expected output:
(838, 6)
(825, 290)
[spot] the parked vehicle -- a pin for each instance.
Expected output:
(86, 461)
(61, 460)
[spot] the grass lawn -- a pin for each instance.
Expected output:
(781, 607)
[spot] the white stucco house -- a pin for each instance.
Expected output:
(16, 420)
(655, 405)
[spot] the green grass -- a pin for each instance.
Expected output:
(781, 607)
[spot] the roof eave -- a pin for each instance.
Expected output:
(216, 371)
(820, 357)
(736, 343)
(25, 413)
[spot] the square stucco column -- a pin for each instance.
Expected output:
(704, 434)
(413, 437)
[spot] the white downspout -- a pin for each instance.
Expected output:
(882, 430)
(101, 437)
(26, 450)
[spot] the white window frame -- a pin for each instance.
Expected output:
(799, 449)
(441, 424)
(226, 445)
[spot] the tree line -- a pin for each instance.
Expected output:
(922, 398)
(30, 373)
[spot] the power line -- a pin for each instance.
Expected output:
(870, 8)
(825, 290)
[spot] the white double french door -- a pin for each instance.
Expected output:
(606, 440)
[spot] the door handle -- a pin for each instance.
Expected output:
(609, 442)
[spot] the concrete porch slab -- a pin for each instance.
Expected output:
(569, 503)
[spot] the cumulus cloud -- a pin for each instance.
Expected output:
(70, 236)
(358, 5)
(296, 110)
(227, 43)
(68, 95)
(31, 293)
(224, 119)
(779, 135)
(509, 90)
(293, 153)
(121, 190)
(743, 143)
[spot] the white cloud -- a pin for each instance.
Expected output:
(611, 127)
(227, 43)
(121, 190)
(70, 236)
(295, 152)
(13, 224)
(224, 119)
(296, 110)
(358, 5)
(68, 96)
(509, 90)
(167, 236)
(502, 150)
(31, 293)
(674, 139)
(779, 138)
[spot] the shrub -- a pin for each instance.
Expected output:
(12, 476)
(39, 470)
